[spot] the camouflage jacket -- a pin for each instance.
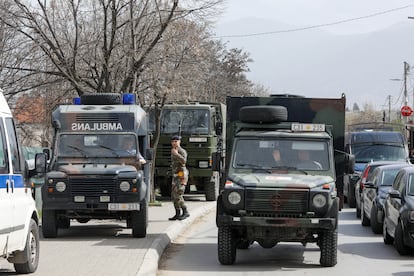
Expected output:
(178, 161)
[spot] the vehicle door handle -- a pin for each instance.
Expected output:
(12, 186)
(7, 185)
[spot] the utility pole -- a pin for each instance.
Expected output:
(389, 108)
(406, 70)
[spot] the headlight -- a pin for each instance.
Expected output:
(319, 200)
(124, 186)
(234, 198)
(60, 186)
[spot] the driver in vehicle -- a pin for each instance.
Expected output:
(129, 147)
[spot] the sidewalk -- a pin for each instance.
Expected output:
(166, 231)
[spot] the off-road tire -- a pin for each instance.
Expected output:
(364, 218)
(328, 243)
(139, 222)
(386, 237)
(49, 224)
(399, 241)
(30, 252)
(263, 114)
(101, 99)
(376, 226)
(211, 190)
(226, 246)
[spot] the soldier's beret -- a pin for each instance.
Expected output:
(175, 137)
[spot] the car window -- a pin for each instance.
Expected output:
(376, 177)
(371, 170)
(3, 151)
(397, 180)
(410, 188)
(401, 184)
(14, 146)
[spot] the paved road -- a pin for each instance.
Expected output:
(360, 252)
(107, 248)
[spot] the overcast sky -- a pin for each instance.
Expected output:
(315, 12)
(374, 15)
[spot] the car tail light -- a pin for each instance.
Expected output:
(364, 178)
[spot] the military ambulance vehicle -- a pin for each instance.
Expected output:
(19, 230)
(90, 174)
(196, 124)
(290, 196)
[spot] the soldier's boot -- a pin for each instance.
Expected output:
(177, 215)
(184, 215)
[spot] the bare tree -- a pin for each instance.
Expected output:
(160, 50)
(96, 45)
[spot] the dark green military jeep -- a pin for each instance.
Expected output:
(279, 186)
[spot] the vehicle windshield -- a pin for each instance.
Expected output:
(97, 145)
(185, 121)
(377, 152)
(273, 154)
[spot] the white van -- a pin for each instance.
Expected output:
(19, 220)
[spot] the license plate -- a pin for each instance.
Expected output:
(123, 206)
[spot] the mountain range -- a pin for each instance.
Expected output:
(367, 67)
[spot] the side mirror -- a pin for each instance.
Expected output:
(219, 128)
(216, 161)
(394, 194)
(40, 163)
(369, 184)
(47, 152)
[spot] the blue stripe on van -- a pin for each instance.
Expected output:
(3, 178)
(18, 180)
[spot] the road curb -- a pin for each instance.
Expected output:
(150, 261)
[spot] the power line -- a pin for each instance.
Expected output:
(319, 25)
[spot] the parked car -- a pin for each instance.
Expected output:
(371, 142)
(399, 212)
(366, 176)
(374, 193)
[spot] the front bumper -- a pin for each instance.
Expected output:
(274, 222)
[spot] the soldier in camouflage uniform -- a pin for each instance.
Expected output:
(179, 179)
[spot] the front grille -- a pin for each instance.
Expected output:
(93, 186)
(277, 200)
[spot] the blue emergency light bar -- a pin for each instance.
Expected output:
(127, 99)
(76, 101)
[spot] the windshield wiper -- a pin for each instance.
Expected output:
(110, 149)
(84, 153)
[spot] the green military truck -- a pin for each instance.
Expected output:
(291, 200)
(90, 175)
(201, 125)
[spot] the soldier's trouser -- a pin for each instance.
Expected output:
(177, 191)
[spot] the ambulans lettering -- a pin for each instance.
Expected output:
(96, 126)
